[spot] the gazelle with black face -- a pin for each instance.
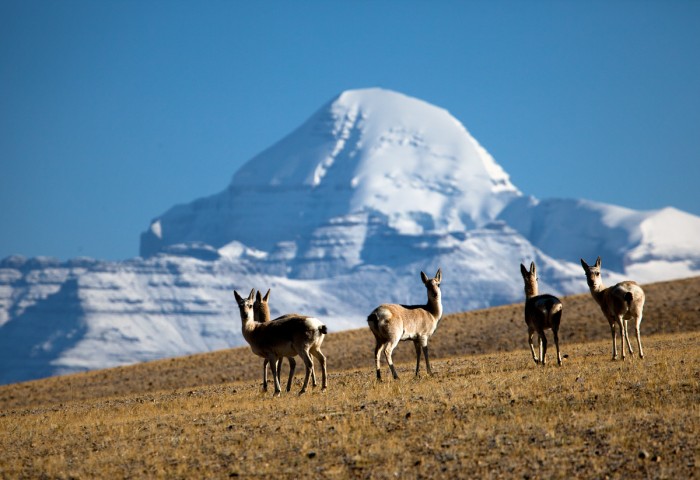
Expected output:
(392, 323)
(542, 312)
(619, 304)
(285, 337)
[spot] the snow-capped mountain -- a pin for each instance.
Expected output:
(337, 217)
(367, 157)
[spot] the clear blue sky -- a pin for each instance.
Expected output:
(113, 111)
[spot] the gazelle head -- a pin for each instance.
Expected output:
(245, 305)
(530, 278)
(432, 284)
(595, 282)
(261, 310)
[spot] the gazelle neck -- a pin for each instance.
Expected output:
(531, 290)
(597, 288)
(434, 305)
(247, 319)
(597, 291)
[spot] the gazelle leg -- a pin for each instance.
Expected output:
(304, 354)
(427, 359)
(264, 385)
(417, 345)
(620, 324)
(614, 341)
(530, 334)
(638, 324)
(555, 331)
(377, 355)
(313, 377)
(543, 348)
(279, 370)
(556, 321)
(388, 349)
(275, 376)
(627, 336)
(292, 367)
(322, 359)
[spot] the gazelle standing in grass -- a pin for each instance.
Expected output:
(261, 314)
(286, 337)
(542, 312)
(391, 323)
(619, 303)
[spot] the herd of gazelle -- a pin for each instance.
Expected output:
(294, 334)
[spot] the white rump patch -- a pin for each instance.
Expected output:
(313, 323)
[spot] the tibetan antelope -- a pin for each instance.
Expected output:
(391, 323)
(261, 314)
(542, 312)
(619, 303)
(285, 337)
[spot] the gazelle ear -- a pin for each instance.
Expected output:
(252, 294)
(258, 297)
(267, 295)
(533, 268)
(239, 299)
(523, 271)
(585, 265)
(424, 277)
(438, 275)
(597, 262)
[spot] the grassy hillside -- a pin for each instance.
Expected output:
(671, 307)
(488, 412)
(493, 415)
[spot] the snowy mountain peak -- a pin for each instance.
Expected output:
(374, 133)
(373, 152)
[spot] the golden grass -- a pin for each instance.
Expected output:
(493, 414)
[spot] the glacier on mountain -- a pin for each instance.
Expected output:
(339, 216)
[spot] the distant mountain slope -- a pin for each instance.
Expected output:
(654, 245)
(339, 216)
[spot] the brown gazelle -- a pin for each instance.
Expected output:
(542, 312)
(391, 323)
(619, 303)
(286, 337)
(261, 314)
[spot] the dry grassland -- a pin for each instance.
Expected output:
(489, 414)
